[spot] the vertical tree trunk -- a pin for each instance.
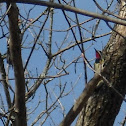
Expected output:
(103, 106)
(15, 53)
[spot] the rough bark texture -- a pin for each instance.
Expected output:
(15, 53)
(103, 106)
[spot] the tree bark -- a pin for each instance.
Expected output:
(15, 54)
(104, 104)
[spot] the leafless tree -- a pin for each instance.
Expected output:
(47, 57)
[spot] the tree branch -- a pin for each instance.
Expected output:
(69, 8)
(77, 107)
(5, 85)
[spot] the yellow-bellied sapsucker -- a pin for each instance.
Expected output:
(9, 61)
(99, 61)
(9, 58)
(98, 65)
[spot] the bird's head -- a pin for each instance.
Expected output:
(98, 56)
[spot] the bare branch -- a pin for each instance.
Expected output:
(69, 8)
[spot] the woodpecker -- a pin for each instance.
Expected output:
(9, 61)
(98, 66)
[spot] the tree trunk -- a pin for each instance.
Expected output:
(15, 55)
(103, 106)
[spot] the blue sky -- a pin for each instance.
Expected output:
(38, 59)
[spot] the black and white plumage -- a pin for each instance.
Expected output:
(98, 66)
(9, 61)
